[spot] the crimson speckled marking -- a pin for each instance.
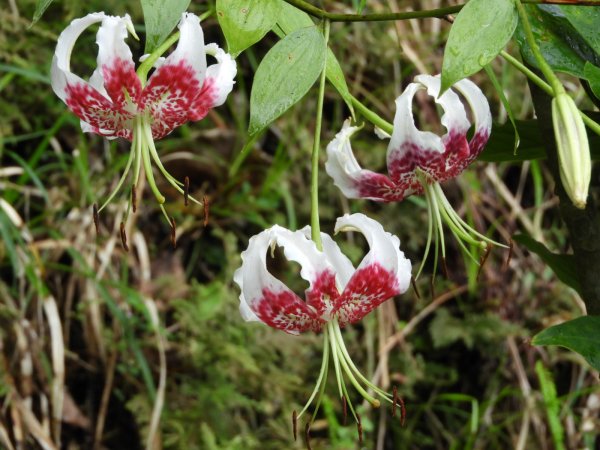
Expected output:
(368, 288)
(171, 98)
(402, 164)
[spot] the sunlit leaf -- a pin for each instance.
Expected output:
(292, 19)
(161, 17)
(563, 47)
(285, 75)
(579, 335)
(245, 22)
(481, 29)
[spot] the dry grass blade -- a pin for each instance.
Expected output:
(58, 364)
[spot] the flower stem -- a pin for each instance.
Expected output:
(372, 117)
(555, 83)
(314, 176)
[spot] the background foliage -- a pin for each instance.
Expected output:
(460, 354)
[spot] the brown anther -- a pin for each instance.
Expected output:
(345, 410)
(124, 237)
(431, 284)
(510, 251)
(414, 286)
(307, 436)
(133, 198)
(96, 217)
(294, 422)
(402, 412)
(173, 233)
(394, 401)
(186, 190)
(483, 259)
(359, 428)
(445, 267)
(206, 202)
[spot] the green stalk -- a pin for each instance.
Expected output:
(314, 176)
(555, 83)
(372, 117)
(439, 13)
(592, 125)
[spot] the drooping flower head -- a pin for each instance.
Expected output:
(338, 293)
(117, 102)
(418, 161)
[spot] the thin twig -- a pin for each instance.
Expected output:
(439, 13)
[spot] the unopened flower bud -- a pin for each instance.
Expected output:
(573, 149)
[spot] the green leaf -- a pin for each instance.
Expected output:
(488, 69)
(481, 30)
(500, 146)
(245, 22)
(592, 75)
(161, 17)
(285, 75)
(579, 335)
(561, 44)
(40, 8)
(292, 19)
(561, 264)
(578, 27)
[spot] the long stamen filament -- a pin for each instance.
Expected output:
(147, 166)
(348, 359)
(320, 380)
(336, 362)
(122, 179)
(429, 236)
(457, 218)
(170, 178)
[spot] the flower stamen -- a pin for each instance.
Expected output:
(124, 237)
(186, 190)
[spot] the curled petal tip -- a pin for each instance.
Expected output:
(130, 28)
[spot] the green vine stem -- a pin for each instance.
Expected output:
(314, 175)
(439, 12)
(583, 225)
(372, 116)
(539, 82)
(555, 83)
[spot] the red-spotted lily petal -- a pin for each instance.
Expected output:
(336, 290)
(383, 273)
(114, 103)
(411, 150)
(173, 87)
(354, 181)
(106, 105)
(217, 84)
(263, 297)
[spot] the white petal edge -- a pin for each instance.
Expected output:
(111, 40)
(223, 73)
(478, 103)
(190, 47)
(405, 131)
(252, 277)
(454, 118)
(341, 164)
(61, 74)
(341, 264)
(384, 247)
